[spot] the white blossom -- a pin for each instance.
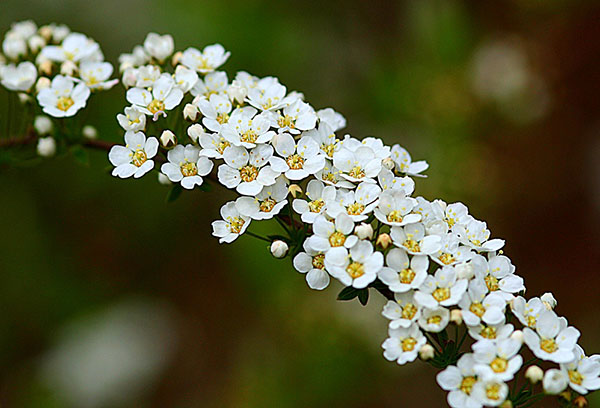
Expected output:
(186, 166)
(135, 158)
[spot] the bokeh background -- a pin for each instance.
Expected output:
(110, 297)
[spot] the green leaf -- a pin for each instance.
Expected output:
(174, 193)
(205, 186)
(80, 155)
(348, 293)
(363, 296)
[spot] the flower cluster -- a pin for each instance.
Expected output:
(58, 67)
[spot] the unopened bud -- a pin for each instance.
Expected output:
(36, 43)
(45, 67)
(89, 132)
(548, 300)
(24, 98)
(364, 231)
(46, 32)
(580, 402)
(237, 91)
(383, 241)
(164, 180)
(518, 336)
(388, 163)
(534, 374)
(176, 59)
(42, 83)
(464, 271)
(456, 317)
(190, 112)
(195, 131)
(42, 125)
(129, 78)
(555, 381)
(168, 139)
(427, 352)
(279, 249)
(68, 68)
(46, 146)
(294, 190)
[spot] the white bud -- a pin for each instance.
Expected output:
(89, 132)
(388, 163)
(364, 231)
(555, 381)
(42, 83)
(190, 112)
(36, 43)
(129, 78)
(42, 125)
(164, 180)
(68, 68)
(534, 374)
(46, 146)
(60, 32)
(279, 249)
(237, 91)
(195, 131)
(44, 66)
(159, 46)
(427, 352)
(176, 58)
(456, 317)
(168, 139)
(548, 300)
(24, 98)
(464, 271)
(46, 32)
(518, 336)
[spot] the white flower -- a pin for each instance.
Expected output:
(528, 312)
(459, 381)
(96, 74)
(388, 181)
(359, 165)
(36, 43)
(490, 392)
(42, 125)
(75, 47)
(63, 98)
(267, 204)
(497, 359)
(20, 77)
(245, 129)
(434, 320)
(332, 176)
(267, 95)
(211, 58)
(133, 119)
(146, 75)
(583, 372)
(14, 46)
(498, 274)
(332, 118)
(295, 117)
(478, 305)
(213, 83)
(491, 331)
(552, 340)
(312, 263)
(213, 144)
(402, 275)
(279, 249)
(442, 289)
(403, 344)
(548, 300)
(133, 159)
(357, 270)
(185, 165)
(412, 238)
(164, 96)
(476, 235)
(318, 194)
(358, 204)
(403, 312)
(325, 138)
(233, 224)
(299, 160)
(555, 381)
(46, 146)
(159, 46)
(451, 251)
(394, 208)
(328, 234)
(185, 78)
(404, 163)
(137, 58)
(216, 110)
(247, 172)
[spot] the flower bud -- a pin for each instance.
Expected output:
(176, 58)
(555, 381)
(195, 131)
(518, 336)
(46, 146)
(237, 91)
(580, 402)
(427, 352)
(68, 68)
(168, 139)
(89, 132)
(190, 112)
(534, 374)
(24, 98)
(279, 249)
(464, 271)
(507, 404)
(42, 83)
(548, 300)
(42, 125)
(164, 180)
(129, 78)
(45, 67)
(36, 43)
(388, 163)
(46, 32)
(60, 32)
(295, 190)
(383, 241)
(456, 317)
(364, 231)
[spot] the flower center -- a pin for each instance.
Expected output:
(223, 144)
(337, 239)
(329, 177)
(575, 377)
(406, 275)
(248, 173)
(409, 311)
(156, 106)
(492, 283)
(329, 149)
(236, 224)
(499, 365)
(447, 258)
(548, 345)
(488, 332)
(295, 162)
(531, 321)
(492, 391)
(189, 169)
(267, 205)
(441, 294)
(355, 270)
(222, 118)
(286, 121)
(467, 384)
(434, 320)
(316, 205)
(395, 216)
(357, 172)
(319, 261)
(64, 103)
(249, 136)
(139, 158)
(412, 245)
(477, 309)
(408, 344)
(355, 209)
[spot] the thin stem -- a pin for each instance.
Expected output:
(252, 234)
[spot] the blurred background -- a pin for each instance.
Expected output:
(110, 297)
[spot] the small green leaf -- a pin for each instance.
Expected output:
(80, 155)
(348, 293)
(205, 186)
(174, 193)
(363, 296)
